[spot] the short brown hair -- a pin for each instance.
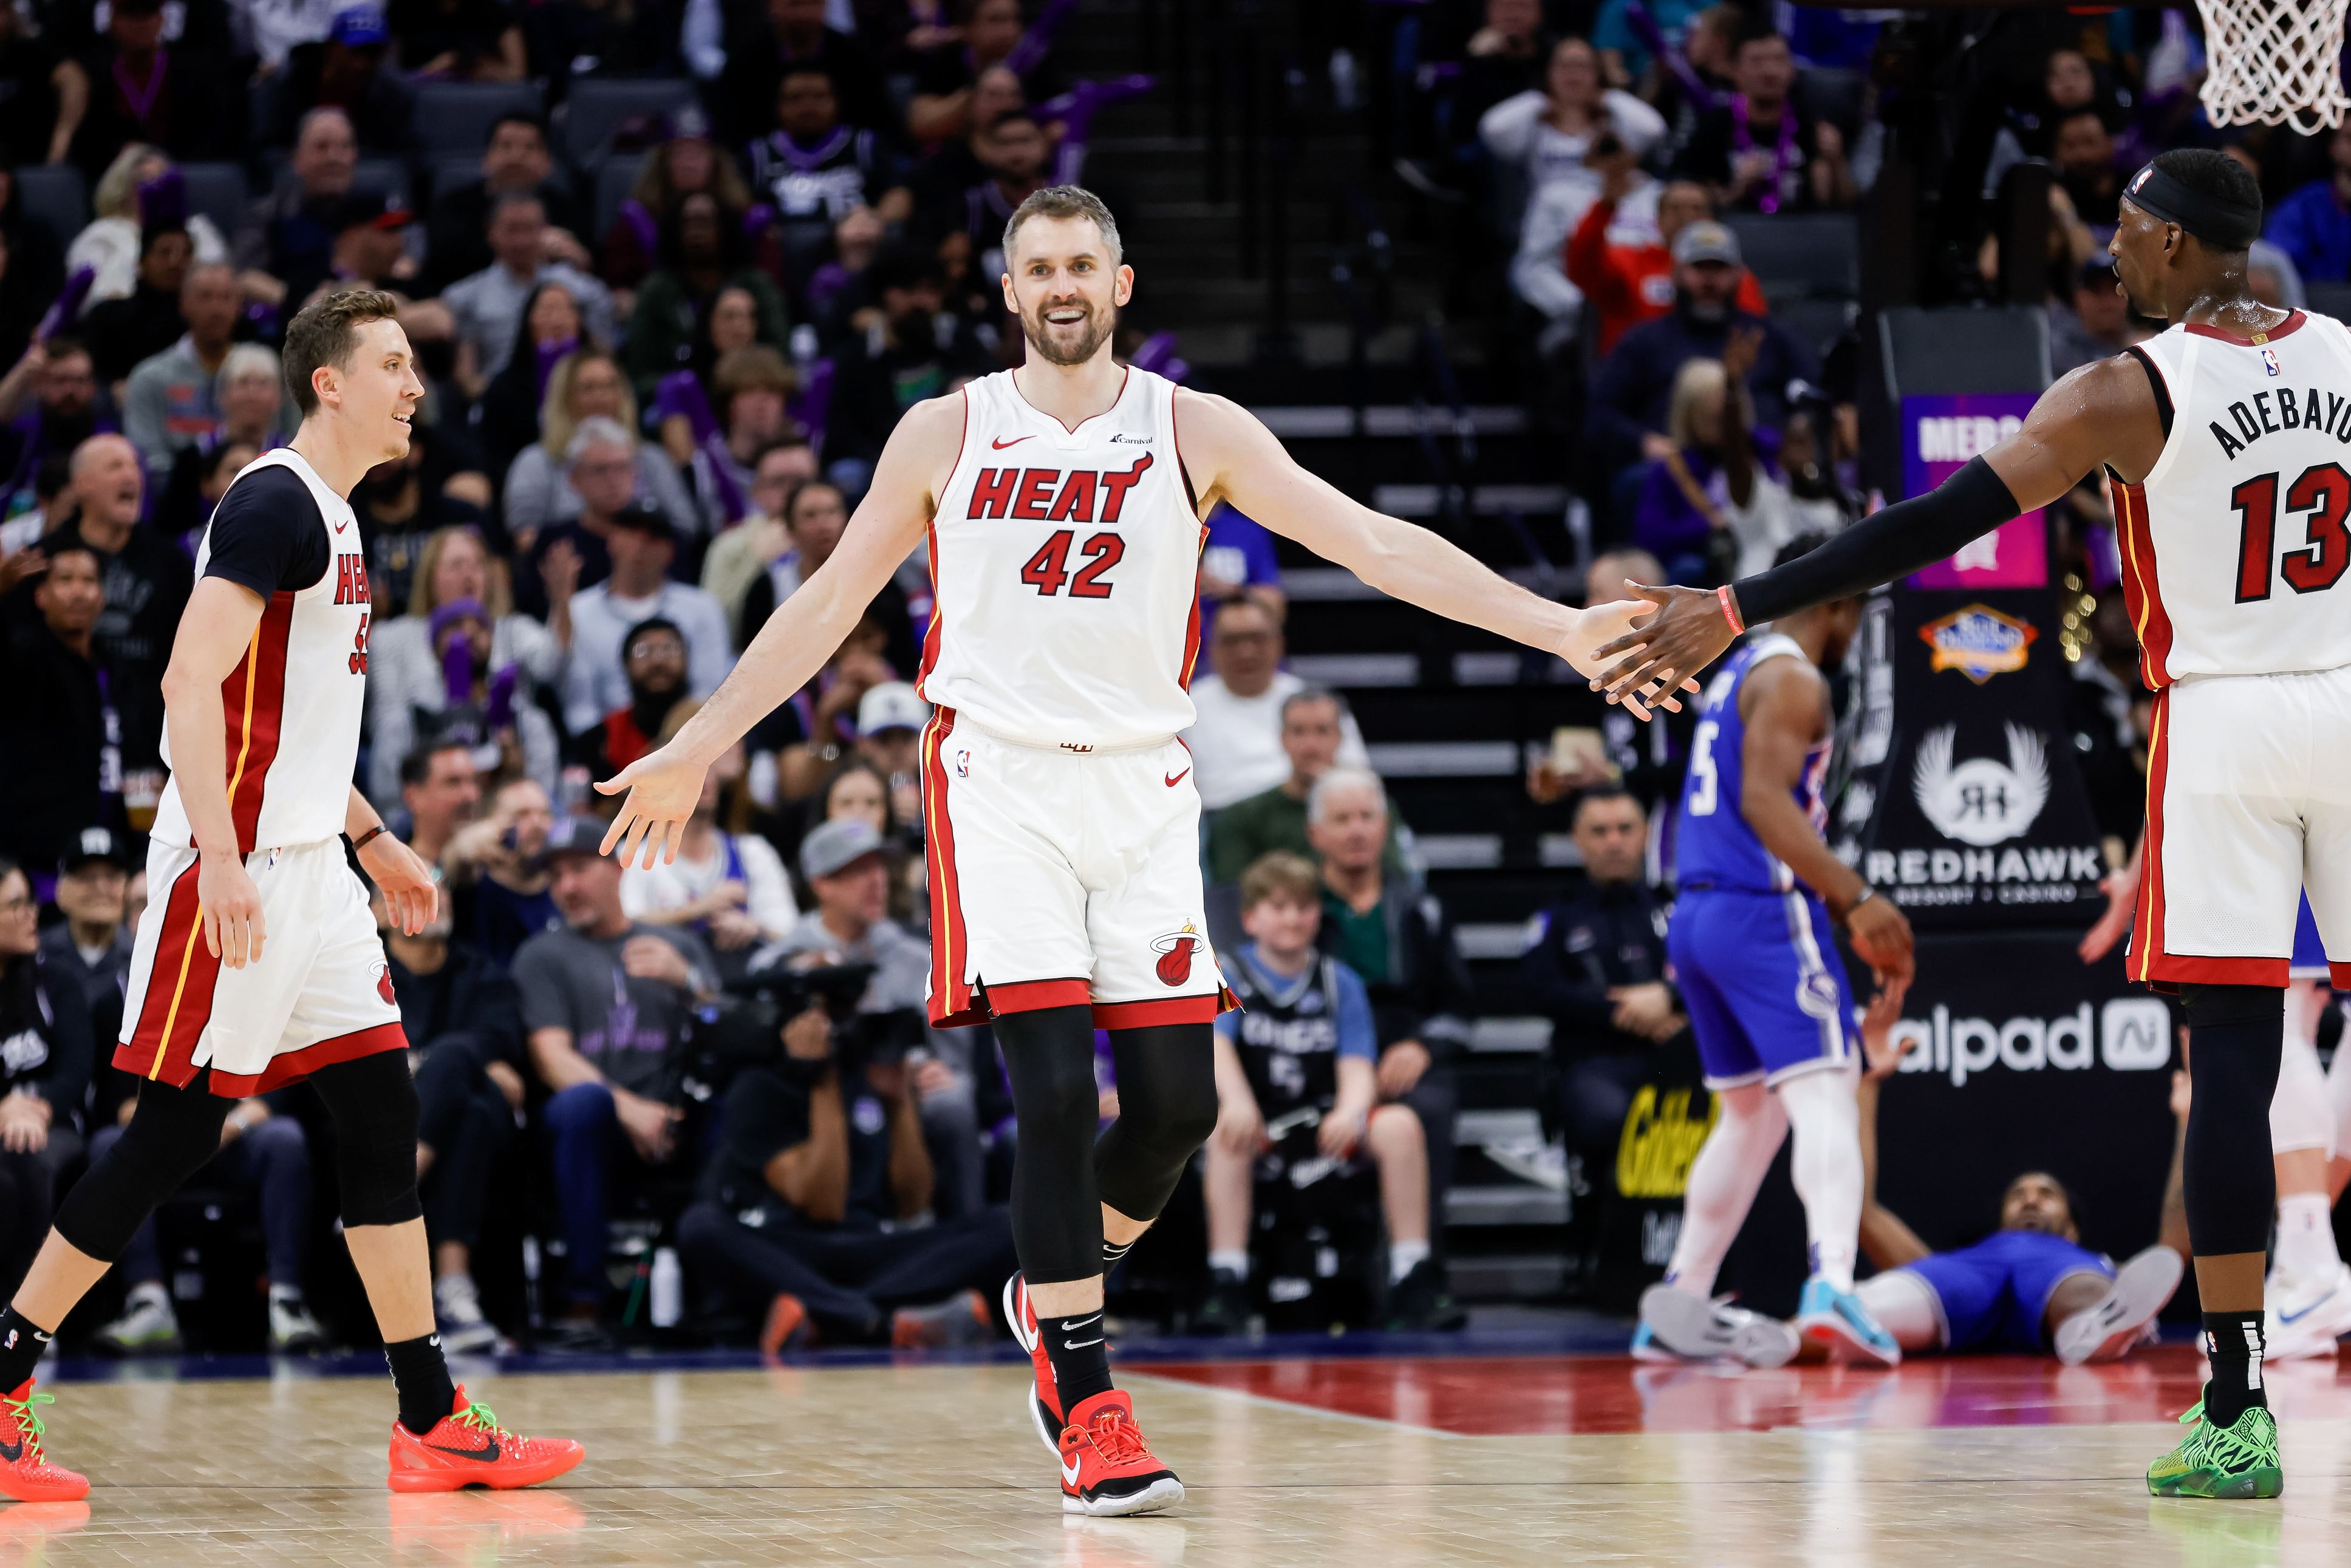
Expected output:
(1065, 202)
(325, 332)
(753, 368)
(1278, 874)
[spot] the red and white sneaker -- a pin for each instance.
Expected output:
(1107, 1469)
(1042, 1401)
(25, 1473)
(467, 1447)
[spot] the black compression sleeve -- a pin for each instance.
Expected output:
(1896, 541)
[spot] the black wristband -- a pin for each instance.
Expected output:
(1896, 541)
(367, 838)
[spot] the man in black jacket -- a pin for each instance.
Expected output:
(54, 707)
(1596, 964)
(1401, 942)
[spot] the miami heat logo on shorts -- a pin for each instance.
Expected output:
(383, 984)
(1175, 950)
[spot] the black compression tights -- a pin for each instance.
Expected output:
(1061, 1175)
(2235, 1039)
(175, 1131)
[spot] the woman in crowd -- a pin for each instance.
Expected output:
(858, 791)
(727, 883)
(46, 1054)
(704, 258)
(583, 385)
(408, 674)
(687, 163)
(553, 328)
(110, 244)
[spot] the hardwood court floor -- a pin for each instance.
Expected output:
(1359, 1462)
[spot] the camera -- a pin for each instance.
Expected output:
(744, 1027)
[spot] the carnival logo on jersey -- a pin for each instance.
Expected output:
(1981, 801)
(1175, 950)
(1054, 495)
(1980, 643)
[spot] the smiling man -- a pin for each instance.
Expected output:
(257, 963)
(1065, 526)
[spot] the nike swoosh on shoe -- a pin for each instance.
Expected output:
(487, 1453)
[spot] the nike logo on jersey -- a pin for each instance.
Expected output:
(340, 526)
(1176, 779)
(1015, 441)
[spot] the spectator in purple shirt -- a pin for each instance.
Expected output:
(2314, 225)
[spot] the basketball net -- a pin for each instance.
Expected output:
(2275, 62)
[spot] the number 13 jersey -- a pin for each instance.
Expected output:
(2234, 544)
(1065, 570)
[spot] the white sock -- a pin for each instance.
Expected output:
(1235, 1262)
(1403, 1256)
(1827, 1167)
(1723, 1180)
(2306, 1237)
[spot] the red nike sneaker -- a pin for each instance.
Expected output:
(1107, 1469)
(467, 1447)
(1043, 1402)
(25, 1473)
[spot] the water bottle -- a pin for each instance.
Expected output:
(668, 1288)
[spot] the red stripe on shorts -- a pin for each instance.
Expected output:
(296, 1065)
(951, 1001)
(178, 999)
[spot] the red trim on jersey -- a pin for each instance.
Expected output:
(2293, 320)
(1202, 1008)
(930, 544)
(951, 1003)
(1033, 996)
(178, 1001)
(296, 1065)
(2338, 976)
(2142, 590)
(1191, 626)
(253, 700)
(1126, 375)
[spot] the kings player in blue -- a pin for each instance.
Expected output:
(1753, 949)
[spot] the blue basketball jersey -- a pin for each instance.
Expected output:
(1718, 849)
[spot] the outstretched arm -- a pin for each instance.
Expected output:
(2104, 413)
(804, 632)
(1230, 455)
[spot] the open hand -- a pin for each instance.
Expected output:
(1688, 631)
(406, 879)
(233, 928)
(1342, 1130)
(2121, 888)
(1606, 626)
(664, 788)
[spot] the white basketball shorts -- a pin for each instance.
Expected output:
(1063, 878)
(321, 992)
(2248, 807)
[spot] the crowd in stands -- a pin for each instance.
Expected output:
(673, 268)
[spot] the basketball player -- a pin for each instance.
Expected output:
(257, 962)
(2230, 495)
(1756, 958)
(1062, 502)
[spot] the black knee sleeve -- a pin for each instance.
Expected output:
(172, 1134)
(373, 1102)
(2235, 1039)
(1167, 1109)
(1048, 1055)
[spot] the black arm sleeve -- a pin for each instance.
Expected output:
(1898, 541)
(266, 534)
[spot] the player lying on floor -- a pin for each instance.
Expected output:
(2027, 1288)
(1305, 1044)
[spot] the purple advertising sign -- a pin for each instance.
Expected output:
(1939, 434)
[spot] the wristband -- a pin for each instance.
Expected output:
(1730, 609)
(1866, 895)
(367, 838)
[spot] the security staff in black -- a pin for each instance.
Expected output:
(1595, 962)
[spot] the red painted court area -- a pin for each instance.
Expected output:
(1531, 1395)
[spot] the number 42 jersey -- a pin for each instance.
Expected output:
(2235, 543)
(1065, 568)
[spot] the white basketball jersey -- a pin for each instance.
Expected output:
(1065, 565)
(2233, 545)
(295, 701)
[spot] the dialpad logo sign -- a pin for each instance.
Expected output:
(2125, 1034)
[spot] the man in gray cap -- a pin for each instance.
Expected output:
(849, 873)
(1636, 385)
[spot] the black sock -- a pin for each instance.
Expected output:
(21, 1345)
(420, 1372)
(2233, 1340)
(1081, 1360)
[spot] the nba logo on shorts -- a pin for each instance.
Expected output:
(963, 764)
(1175, 951)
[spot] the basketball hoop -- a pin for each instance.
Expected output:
(2275, 62)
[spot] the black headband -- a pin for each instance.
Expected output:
(2224, 225)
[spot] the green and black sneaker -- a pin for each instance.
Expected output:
(2239, 1460)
